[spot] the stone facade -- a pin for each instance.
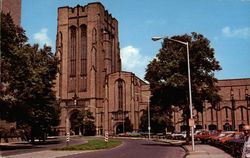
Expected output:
(126, 96)
(14, 8)
(230, 114)
(88, 47)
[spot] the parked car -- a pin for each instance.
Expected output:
(234, 146)
(168, 135)
(202, 136)
(179, 135)
(235, 135)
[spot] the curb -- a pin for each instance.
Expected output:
(180, 145)
(186, 151)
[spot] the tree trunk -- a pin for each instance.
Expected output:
(32, 137)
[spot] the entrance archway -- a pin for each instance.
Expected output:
(227, 127)
(76, 122)
(119, 129)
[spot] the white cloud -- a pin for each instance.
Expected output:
(240, 32)
(42, 38)
(133, 61)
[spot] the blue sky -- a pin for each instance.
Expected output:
(226, 23)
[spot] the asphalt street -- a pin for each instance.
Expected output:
(136, 149)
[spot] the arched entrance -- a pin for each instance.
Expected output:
(119, 128)
(76, 122)
(227, 127)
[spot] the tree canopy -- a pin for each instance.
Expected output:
(168, 75)
(27, 75)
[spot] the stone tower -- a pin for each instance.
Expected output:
(14, 8)
(87, 45)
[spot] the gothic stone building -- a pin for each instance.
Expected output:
(90, 75)
(14, 8)
(230, 114)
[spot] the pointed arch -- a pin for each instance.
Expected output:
(120, 94)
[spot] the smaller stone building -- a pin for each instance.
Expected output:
(126, 96)
(230, 114)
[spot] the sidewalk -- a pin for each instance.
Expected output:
(205, 151)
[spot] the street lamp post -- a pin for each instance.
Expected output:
(189, 82)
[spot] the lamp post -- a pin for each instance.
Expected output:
(189, 83)
(247, 99)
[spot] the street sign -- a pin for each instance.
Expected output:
(191, 122)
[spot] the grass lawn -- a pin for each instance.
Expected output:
(94, 144)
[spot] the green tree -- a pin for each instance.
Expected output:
(12, 38)
(27, 75)
(160, 120)
(76, 120)
(89, 124)
(167, 74)
(128, 127)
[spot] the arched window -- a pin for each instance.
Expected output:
(226, 111)
(72, 50)
(83, 57)
(212, 115)
(120, 94)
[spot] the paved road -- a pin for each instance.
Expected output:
(136, 149)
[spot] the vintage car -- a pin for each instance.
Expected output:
(202, 136)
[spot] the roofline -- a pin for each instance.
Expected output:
(231, 79)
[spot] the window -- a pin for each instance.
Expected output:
(212, 115)
(226, 112)
(83, 57)
(72, 51)
(120, 96)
